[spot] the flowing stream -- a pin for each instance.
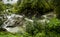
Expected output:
(16, 23)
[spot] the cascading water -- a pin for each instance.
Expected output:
(15, 23)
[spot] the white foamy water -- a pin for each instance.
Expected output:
(9, 2)
(15, 23)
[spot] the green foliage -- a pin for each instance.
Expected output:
(40, 34)
(33, 7)
(53, 28)
(54, 22)
(56, 6)
(52, 34)
(6, 34)
(2, 6)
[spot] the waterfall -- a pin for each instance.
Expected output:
(15, 23)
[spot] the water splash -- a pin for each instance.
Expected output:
(15, 23)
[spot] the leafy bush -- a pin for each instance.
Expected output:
(53, 28)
